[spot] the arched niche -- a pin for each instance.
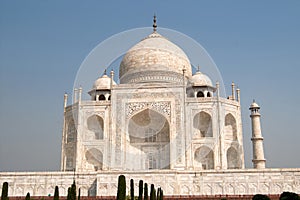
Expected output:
(200, 94)
(149, 134)
(96, 125)
(233, 160)
(102, 97)
(71, 131)
(94, 157)
(204, 157)
(203, 123)
(69, 162)
(148, 126)
(230, 127)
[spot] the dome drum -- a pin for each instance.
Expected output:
(155, 76)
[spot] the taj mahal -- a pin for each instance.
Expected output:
(160, 123)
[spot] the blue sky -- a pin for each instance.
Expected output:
(43, 43)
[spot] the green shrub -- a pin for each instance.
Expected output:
(146, 191)
(260, 197)
(27, 196)
(158, 194)
(56, 193)
(4, 195)
(131, 189)
(121, 195)
(152, 193)
(73, 191)
(78, 194)
(140, 190)
(289, 196)
(161, 194)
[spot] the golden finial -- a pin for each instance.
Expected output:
(154, 23)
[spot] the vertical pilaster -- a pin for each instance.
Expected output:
(219, 162)
(62, 161)
(184, 119)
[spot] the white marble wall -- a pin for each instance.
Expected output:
(209, 182)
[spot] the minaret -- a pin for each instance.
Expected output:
(259, 161)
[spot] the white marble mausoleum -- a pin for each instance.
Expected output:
(161, 123)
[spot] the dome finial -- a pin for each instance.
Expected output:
(104, 73)
(198, 68)
(154, 23)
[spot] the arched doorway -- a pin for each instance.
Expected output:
(200, 94)
(232, 158)
(96, 125)
(204, 157)
(149, 134)
(230, 127)
(203, 123)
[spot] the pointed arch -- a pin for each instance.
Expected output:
(200, 94)
(39, 191)
(94, 157)
(230, 127)
(232, 158)
(95, 124)
(102, 97)
(149, 134)
(148, 126)
(185, 190)
(71, 131)
(203, 123)
(208, 190)
(69, 162)
(204, 157)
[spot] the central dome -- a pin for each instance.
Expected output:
(154, 59)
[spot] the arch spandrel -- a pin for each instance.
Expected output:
(164, 108)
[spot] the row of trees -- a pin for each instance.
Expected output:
(71, 192)
(143, 190)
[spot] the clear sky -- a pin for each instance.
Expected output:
(43, 43)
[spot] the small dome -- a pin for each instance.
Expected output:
(154, 59)
(254, 105)
(200, 79)
(103, 83)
